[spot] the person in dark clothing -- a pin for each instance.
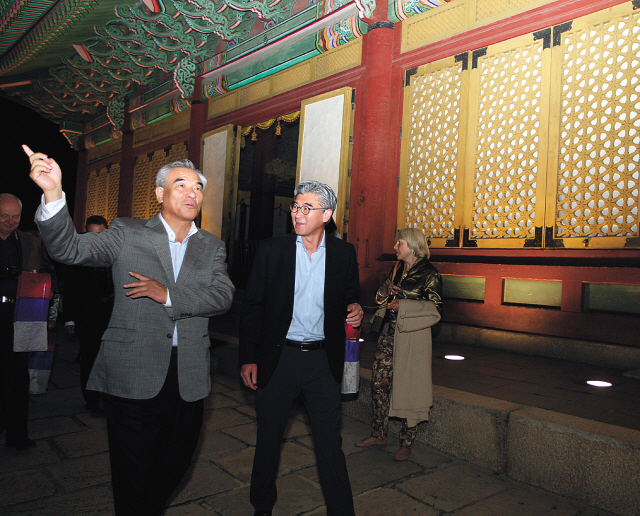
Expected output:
(19, 251)
(88, 301)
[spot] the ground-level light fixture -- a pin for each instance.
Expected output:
(454, 357)
(598, 383)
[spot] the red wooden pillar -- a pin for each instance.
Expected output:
(125, 193)
(372, 193)
(196, 127)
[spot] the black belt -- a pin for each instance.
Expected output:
(305, 346)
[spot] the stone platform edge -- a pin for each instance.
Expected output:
(593, 462)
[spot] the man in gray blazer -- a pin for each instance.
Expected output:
(153, 366)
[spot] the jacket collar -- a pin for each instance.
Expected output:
(160, 241)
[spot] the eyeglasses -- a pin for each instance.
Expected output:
(304, 209)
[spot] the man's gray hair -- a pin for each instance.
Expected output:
(326, 197)
(163, 173)
(10, 196)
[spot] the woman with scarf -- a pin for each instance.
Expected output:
(412, 292)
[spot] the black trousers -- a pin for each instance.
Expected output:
(304, 372)
(14, 380)
(151, 443)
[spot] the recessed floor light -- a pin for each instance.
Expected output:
(454, 357)
(598, 383)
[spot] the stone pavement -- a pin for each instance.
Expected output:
(67, 474)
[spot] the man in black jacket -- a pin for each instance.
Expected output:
(302, 289)
(19, 251)
(88, 301)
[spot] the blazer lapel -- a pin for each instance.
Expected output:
(195, 247)
(330, 268)
(290, 265)
(160, 241)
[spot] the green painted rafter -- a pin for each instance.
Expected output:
(122, 46)
(18, 17)
(60, 19)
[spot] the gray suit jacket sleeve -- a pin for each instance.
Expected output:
(136, 348)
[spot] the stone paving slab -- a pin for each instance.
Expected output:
(92, 420)
(87, 502)
(248, 410)
(220, 400)
(49, 407)
(350, 433)
(218, 387)
(371, 469)
(52, 426)
(375, 468)
(521, 502)
(238, 464)
(190, 509)
(216, 444)
(294, 456)
(204, 479)
(244, 396)
(12, 460)
(235, 503)
(245, 433)
(454, 487)
(296, 495)
(428, 457)
(72, 475)
(389, 502)
(296, 428)
(89, 442)
(54, 396)
(234, 382)
(22, 486)
(223, 418)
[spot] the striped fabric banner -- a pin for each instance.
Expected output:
(351, 374)
(32, 308)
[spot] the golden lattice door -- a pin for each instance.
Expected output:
(532, 142)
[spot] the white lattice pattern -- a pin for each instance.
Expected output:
(101, 194)
(176, 152)
(160, 159)
(92, 188)
(432, 28)
(599, 141)
(488, 9)
(141, 178)
(114, 193)
(505, 174)
(433, 147)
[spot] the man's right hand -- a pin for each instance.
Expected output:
(46, 173)
(249, 374)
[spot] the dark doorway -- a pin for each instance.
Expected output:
(266, 180)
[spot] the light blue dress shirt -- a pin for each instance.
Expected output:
(307, 323)
(178, 250)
